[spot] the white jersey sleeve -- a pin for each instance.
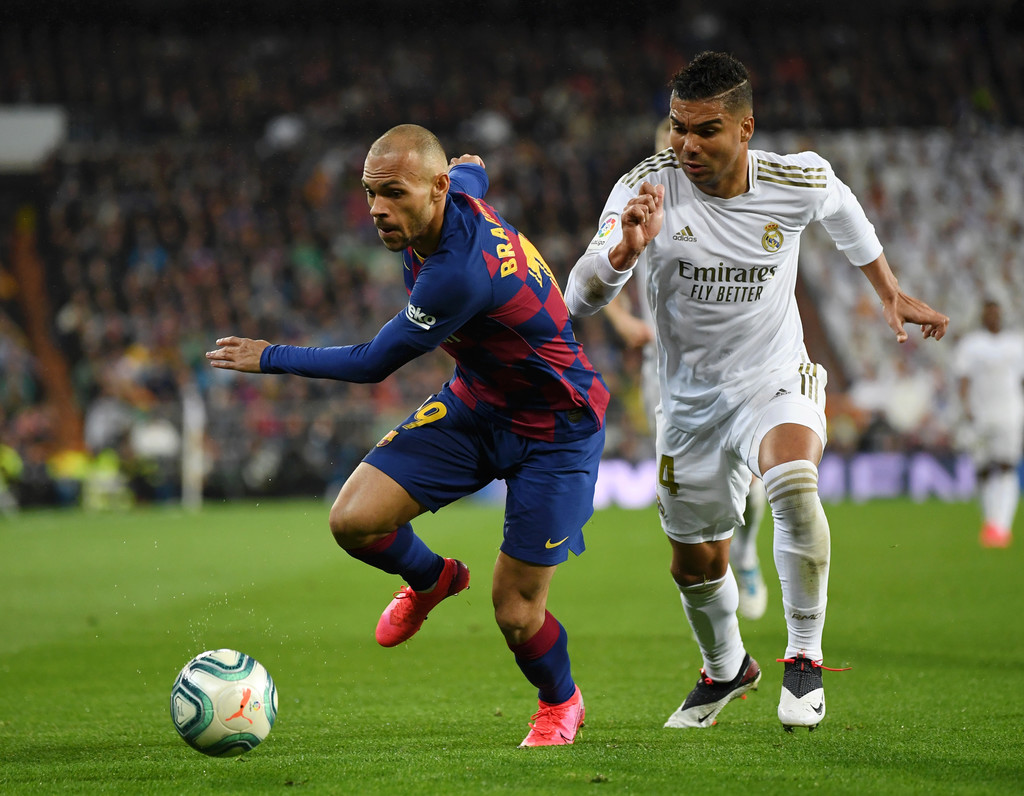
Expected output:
(846, 223)
(593, 282)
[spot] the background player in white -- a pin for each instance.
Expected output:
(718, 226)
(636, 330)
(989, 363)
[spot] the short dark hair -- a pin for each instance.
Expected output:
(715, 74)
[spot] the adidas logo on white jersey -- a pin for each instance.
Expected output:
(685, 235)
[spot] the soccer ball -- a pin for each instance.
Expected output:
(223, 703)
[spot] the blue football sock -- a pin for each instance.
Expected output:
(544, 659)
(403, 553)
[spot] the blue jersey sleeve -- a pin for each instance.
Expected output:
(444, 297)
(469, 178)
(367, 362)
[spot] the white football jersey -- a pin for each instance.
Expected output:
(721, 274)
(993, 365)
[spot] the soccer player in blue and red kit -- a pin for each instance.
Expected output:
(524, 405)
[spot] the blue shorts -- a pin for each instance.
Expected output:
(445, 451)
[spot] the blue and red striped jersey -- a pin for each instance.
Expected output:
(487, 297)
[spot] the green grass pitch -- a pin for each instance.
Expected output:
(98, 612)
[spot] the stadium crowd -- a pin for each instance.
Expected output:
(210, 184)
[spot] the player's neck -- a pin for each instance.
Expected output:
(735, 183)
(727, 192)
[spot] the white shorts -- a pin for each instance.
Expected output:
(996, 443)
(704, 476)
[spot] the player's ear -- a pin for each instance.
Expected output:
(746, 129)
(442, 182)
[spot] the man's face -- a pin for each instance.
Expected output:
(711, 145)
(401, 196)
(992, 317)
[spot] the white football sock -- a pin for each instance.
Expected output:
(802, 549)
(1006, 494)
(711, 609)
(988, 495)
(743, 548)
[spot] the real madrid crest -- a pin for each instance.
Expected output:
(772, 238)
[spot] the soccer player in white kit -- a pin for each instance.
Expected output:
(718, 227)
(989, 363)
(636, 330)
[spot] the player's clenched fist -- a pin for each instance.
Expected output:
(642, 216)
(238, 353)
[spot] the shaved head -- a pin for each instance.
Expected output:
(416, 140)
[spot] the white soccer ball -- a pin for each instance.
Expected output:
(223, 703)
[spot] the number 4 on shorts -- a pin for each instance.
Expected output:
(667, 475)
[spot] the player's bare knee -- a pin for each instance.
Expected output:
(688, 579)
(516, 617)
(513, 622)
(350, 531)
(693, 565)
(698, 584)
(337, 522)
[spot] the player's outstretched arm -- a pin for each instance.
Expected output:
(898, 308)
(238, 353)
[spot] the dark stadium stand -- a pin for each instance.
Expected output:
(209, 184)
